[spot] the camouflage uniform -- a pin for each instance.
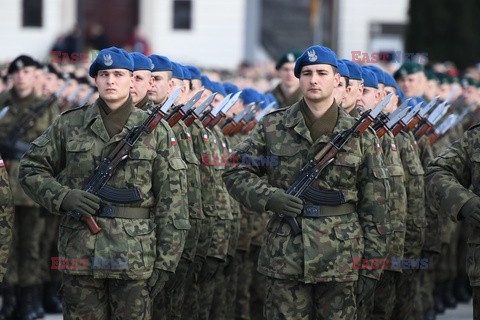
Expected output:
(452, 180)
(384, 298)
(311, 275)
(64, 158)
(26, 266)
(415, 224)
(168, 304)
(202, 146)
(6, 217)
(213, 300)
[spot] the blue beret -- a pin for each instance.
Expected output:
(342, 69)
(271, 98)
(378, 72)
(217, 87)
(389, 81)
(315, 55)
(230, 87)
(186, 73)
(206, 83)
(354, 69)
(160, 63)
(400, 93)
(177, 70)
(369, 78)
(250, 95)
(141, 61)
(111, 58)
(194, 72)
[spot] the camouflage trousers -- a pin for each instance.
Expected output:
(291, 299)
(406, 292)
(24, 259)
(258, 287)
(384, 297)
(168, 304)
(207, 289)
(476, 302)
(427, 284)
(244, 274)
(102, 299)
(48, 248)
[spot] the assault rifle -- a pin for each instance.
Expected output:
(97, 184)
(315, 166)
(254, 122)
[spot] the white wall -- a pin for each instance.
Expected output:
(216, 38)
(58, 17)
(355, 18)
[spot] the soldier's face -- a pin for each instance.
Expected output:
(287, 75)
(354, 90)
(50, 85)
(369, 99)
(409, 84)
(72, 86)
(160, 88)
(317, 82)
(142, 82)
(24, 78)
(340, 92)
(114, 85)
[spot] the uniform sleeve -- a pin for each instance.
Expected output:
(171, 211)
(6, 219)
(372, 206)
(449, 175)
(243, 181)
(40, 166)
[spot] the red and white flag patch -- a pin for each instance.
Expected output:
(224, 146)
(189, 137)
(394, 147)
(378, 147)
(173, 141)
(205, 137)
(2, 164)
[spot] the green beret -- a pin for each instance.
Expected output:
(431, 75)
(21, 62)
(408, 68)
(290, 56)
(442, 78)
(465, 82)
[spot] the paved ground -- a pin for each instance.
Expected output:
(462, 312)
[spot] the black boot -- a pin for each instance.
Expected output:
(25, 304)
(51, 301)
(460, 290)
(430, 314)
(437, 299)
(448, 298)
(38, 301)
(9, 304)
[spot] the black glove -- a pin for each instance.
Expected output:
(178, 279)
(471, 211)
(284, 204)
(365, 287)
(81, 201)
(209, 269)
(157, 281)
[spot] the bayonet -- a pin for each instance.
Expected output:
(228, 127)
(198, 110)
(179, 112)
(223, 112)
(258, 117)
(406, 119)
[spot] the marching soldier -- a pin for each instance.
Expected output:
(287, 92)
(141, 239)
(310, 274)
(17, 105)
(6, 217)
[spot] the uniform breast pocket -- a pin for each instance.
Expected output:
(193, 172)
(79, 157)
(141, 243)
(177, 175)
(139, 167)
(342, 173)
(287, 158)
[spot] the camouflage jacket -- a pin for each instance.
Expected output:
(452, 179)
(324, 250)
(234, 205)
(284, 101)
(398, 198)
(415, 222)
(18, 109)
(64, 158)
(6, 218)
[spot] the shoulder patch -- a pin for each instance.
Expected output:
(74, 109)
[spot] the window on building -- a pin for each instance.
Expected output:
(32, 13)
(182, 14)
